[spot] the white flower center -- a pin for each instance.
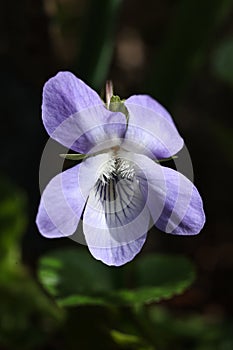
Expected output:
(116, 185)
(116, 167)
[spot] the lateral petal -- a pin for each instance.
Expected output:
(64, 198)
(173, 200)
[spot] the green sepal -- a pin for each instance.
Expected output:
(73, 156)
(165, 159)
(117, 105)
(115, 99)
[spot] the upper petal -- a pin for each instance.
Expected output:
(151, 130)
(74, 115)
(115, 222)
(173, 200)
(63, 96)
(64, 198)
(149, 103)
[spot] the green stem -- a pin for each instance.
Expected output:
(98, 41)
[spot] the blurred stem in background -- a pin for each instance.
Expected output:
(98, 41)
(184, 47)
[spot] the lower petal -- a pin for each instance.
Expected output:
(117, 256)
(115, 222)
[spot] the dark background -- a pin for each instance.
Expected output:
(181, 53)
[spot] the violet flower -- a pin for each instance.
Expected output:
(120, 184)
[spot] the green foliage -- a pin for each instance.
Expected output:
(155, 327)
(129, 341)
(12, 222)
(27, 316)
(74, 278)
(185, 46)
(69, 271)
(192, 332)
(124, 339)
(223, 61)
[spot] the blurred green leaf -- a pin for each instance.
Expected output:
(185, 46)
(12, 222)
(129, 341)
(73, 277)
(125, 339)
(223, 61)
(28, 317)
(192, 331)
(73, 271)
(158, 277)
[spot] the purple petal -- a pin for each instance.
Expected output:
(74, 115)
(91, 130)
(115, 222)
(173, 201)
(118, 256)
(149, 103)
(150, 129)
(63, 96)
(64, 198)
